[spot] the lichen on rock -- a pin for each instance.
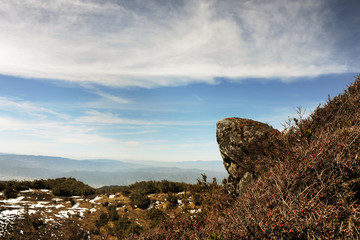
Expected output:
(248, 148)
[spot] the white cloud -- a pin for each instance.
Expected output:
(100, 118)
(29, 119)
(112, 98)
(28, 108)
(113, 44)
(54, 131)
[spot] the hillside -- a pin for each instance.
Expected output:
(65, 208)
(310, 190)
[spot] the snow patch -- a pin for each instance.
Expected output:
(59, 206)
(96, 199)
(76, 205)
(49, 220)
(27, 191)
(8, 217)
(195, 210)
(12, 200)
(40, 205)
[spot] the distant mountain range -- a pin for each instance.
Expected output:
(102, 172)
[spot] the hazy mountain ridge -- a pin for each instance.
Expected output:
(103, 171)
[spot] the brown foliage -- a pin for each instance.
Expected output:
(312, 193)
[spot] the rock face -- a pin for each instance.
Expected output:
(248, 148)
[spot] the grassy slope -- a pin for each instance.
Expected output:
(312, 193)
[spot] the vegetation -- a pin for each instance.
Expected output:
(312, 192)
(156, 216)
(148, 187)
(120, 225)
(60, 187)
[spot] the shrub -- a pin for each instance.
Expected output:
(113, 214)
(124, 226)
(167, 186)
(2, 186)
(10, 192)
(70, 187)
(40, 184)
(172, 199)
(140, 200)
(156, 216)
(37, 223)
(87, 191)
(198, 199)
(103, 220)
(62, 190)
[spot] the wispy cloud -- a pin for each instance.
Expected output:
(159, 44)
(112, 98)
(106, 118)
(29, 119)
(24, 118)
(28, 108)
(54, 131)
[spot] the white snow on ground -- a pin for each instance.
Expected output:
(74, 211)
(96, 199)
(76, 205)
(32, 211)
(64, 214)
(59, 206)
(40, 204)
(12, 200)
(195, 210)
(13, 209)
(8, 217)
(27, 191)
(111, 196)
(13, 206)
(49, 220)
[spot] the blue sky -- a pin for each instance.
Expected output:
(148, 80)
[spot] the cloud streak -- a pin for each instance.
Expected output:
(100, 118)
(149, 43)
(29, 108)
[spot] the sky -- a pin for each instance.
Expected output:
(149, 79)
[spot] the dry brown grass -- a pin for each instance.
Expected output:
(312, 193)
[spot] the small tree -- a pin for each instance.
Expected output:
(10, 192)
(172, 199)
(140, 200)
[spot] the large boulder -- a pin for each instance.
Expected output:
(248, 148)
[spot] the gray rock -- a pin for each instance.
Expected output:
(248, 148)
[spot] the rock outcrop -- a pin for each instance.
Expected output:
(248, 148)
